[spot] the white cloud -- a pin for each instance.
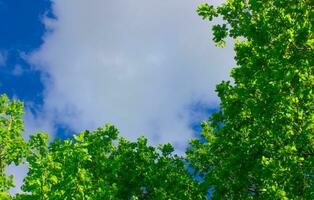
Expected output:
(139, 65)
(37, 123)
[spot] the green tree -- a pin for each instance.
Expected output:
(12, 144)
(261, 143)
(100, 165)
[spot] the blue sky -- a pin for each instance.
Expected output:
(21, 31)
(147, 67)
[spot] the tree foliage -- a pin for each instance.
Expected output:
(261, 143)
(93, 165)
(12, 144)
(99, 165)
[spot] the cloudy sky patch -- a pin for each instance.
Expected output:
(140, 65)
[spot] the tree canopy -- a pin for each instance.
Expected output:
(96, 166)
(12, 145)
(260, 145)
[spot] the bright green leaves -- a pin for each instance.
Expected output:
(220, 33)
(100, 165)
(39, 163)
(94, 165)
(166, 149)
(4, 196)
(260, 145)
(206, 11)
(12, 144)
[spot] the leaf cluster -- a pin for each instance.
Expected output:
(260, 145)
(12, 143)
(93, 165)
(99, 165)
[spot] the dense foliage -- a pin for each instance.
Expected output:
(261, 144)
(12, 144)
(93, 165)
(96, 166)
